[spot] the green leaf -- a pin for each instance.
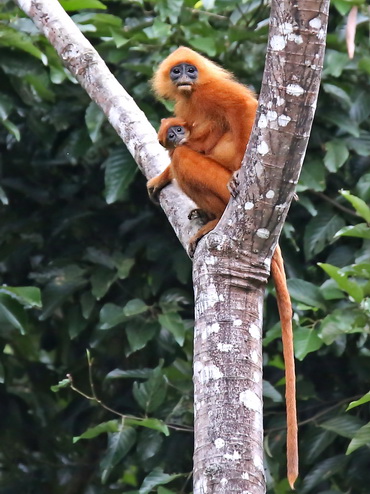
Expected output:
(65, 383)
(336, 324)
(18, 40)
(317, 442)
(361, 230)
(320, 232)
(306, 292)
(94, 118)
(29, 296)
(336, 155)
(129, 374)
(152, 393)
(111, 315)
(343, 425)
(361, 207)
(174, 324)
(119, 444)
(270, 392)
(158, 30)
(120, 171)
(312, 176)
(163, 490)
(68, 280)
(104, 427)
(69, 5)
(336, 91)
(149, 423)
(139, 333)
(149, 444)
(362, 438)
(306, 340)
(361, 401)
(341, 277)
(155, 478)
(13, 312)
(101, 280)
(134, 307)
(322, 471)
(3, 197)
(204, 44)
(12, 128)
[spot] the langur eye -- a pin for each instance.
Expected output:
(176, 70)
(171, 135)
(179, 129)
(191, 70)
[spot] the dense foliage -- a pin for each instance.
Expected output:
(96, 291)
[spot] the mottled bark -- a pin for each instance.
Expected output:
(232, 263)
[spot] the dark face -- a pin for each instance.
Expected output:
(184, 75)
(176, 136)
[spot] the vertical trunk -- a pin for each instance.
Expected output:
(228, 455)
(229, 277)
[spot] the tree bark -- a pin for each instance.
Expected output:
(232, 263)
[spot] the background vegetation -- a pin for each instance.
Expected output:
(95, 285)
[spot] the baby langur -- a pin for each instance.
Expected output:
(189, 168)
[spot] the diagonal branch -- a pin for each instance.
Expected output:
(130, 123)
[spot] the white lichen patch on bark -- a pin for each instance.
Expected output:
(315, 23)
(294, 89)
(270, 194)
(250, 400)
(205, 373)
(206, 300)
(263, 148)
(237, 322)
(211, 260)
(233, 457)
(277, 42)
(263, 233)
(282, 206)
(245, 476)
(258, 462)
(254, 331)
(248, 206)
(200, 486)
(254, 356)
(262, 122)
(271, 115)
(219, 443)
(256, 376)
(223, 482)
(283, 120)
(225, 347)
(210, 329)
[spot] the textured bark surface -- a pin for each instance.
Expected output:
(233, 262)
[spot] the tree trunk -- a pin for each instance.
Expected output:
(232, 263)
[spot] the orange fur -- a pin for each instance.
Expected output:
(218, 114)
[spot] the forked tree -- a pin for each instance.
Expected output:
(232, 263)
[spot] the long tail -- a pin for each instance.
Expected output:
(285, 312)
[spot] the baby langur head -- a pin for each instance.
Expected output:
(176, 136)
(184, 76)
